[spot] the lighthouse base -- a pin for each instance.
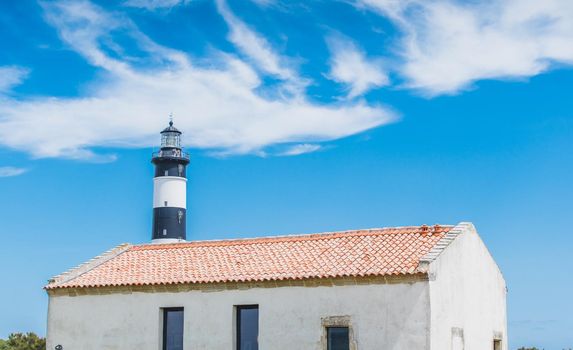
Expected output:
(167, 241)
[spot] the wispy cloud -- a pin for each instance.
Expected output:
(8, 171)
(265, 3)
(448, 45)
(257, 48)
(300, 149)
(155, 4)
(11, 76)
(219, 106)
(349, 65)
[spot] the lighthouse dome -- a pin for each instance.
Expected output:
(171, 128)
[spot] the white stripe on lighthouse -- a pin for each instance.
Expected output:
(170, 191)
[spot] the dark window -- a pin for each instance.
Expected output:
(338, 338)
(173, 329)
(497, 344)
(248, 327)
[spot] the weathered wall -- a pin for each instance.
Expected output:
(467, 296)
(383, 316)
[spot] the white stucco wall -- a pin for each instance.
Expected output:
(467, 292)
(383, 316)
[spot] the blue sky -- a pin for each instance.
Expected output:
(300, 117)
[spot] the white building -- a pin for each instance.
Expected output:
(405, 288)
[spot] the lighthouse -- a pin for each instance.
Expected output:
(170, 188)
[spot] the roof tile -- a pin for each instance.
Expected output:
(373, 252)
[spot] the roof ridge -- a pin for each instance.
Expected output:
(88, 265)
(293, 237)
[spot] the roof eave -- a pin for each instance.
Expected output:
(77, 271)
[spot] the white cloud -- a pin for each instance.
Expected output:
(218, 107)
(11, 76)
(448, 45)
(300, 149)
(155, 4)
(256, 47)
(349, 65)
(87, 30)
(7, 171)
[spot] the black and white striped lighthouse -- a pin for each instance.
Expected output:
(170, 188)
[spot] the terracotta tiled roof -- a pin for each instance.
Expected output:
(373, 252)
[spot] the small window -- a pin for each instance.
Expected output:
(337, 333)
(338, 338)
(173, 329)
(247, 327)
(497, 344)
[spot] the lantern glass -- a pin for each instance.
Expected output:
(170, 139)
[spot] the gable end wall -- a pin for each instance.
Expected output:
(467, 294)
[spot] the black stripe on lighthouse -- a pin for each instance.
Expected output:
(169, 222)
